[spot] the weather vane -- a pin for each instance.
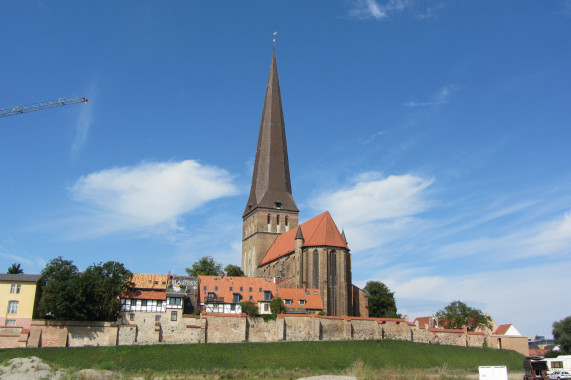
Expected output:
(275, 38)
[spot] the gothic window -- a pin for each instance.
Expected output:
(269, 223)
(315, 269)
(278, 220)
(286, 221)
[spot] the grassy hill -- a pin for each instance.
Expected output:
(288, 359)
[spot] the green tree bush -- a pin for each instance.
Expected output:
(277, 306)
(381, 300)
(206, 266)
(233, 270)
(458, 314)
(249, 308)
(562, 334)
(67, 294)
(15, 269)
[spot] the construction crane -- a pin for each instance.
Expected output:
(4, 112)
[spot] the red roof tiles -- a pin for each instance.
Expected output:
(319, 231)
(502, 329)
(312, 298)
(224, 287)
(150, 281)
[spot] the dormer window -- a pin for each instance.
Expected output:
(278, 205)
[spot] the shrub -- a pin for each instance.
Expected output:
(249, 308)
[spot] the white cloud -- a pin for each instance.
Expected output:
(367, 9)
(84, 122)
(507, 294)
(442, 96)
(543, 239)
(150, 195)
(374, 209)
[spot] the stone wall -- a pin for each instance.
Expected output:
(240, 328)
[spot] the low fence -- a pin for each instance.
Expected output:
(229, 328)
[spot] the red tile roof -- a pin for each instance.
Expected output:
(224, 283)
(319, 231)
(423, 321)
(150, 281)
(312, 298)
(502, 329)
(146, 295)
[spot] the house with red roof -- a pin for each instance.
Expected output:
(223, 294)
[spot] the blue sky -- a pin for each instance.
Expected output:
(435, 132)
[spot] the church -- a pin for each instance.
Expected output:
(311, 255)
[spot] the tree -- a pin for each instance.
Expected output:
(60, 291)
(15, 269)
(458, 314)
(102, 284)
(381, 300)
(562, 334)
(233, 270)
(249, 308)
(67, 294)
(277, 305)
(206, 266)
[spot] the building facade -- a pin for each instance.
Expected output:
(18, 294)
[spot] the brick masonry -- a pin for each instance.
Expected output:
(234, 328)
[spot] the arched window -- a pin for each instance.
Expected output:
(286, 221)
(315, 269)
(278, 220)
(269, 223)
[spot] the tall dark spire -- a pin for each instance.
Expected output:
(271, 183)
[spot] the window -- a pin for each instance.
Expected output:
(159, 303)
(175, 301)
(144, 303)
(260, 290)
(266, 306)
(250, 290)
(236, 298)
(553, 364)
(12, 288)
(315, 293)
(251, 298)
(204, 288)
(288, 302)
(132, 316)
(18, 288)
(216, 288)
(157, 318)
(241, 288)
(230, 288)
(278, 220)
(286, 222)
(233, 307)
(174, 315)
(267, 295)
(133, 302)
(10, 322)
(302, 302)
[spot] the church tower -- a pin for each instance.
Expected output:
(271, 209)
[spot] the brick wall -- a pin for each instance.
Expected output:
(239, 328)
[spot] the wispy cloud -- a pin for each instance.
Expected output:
(442, 96)
(375, 209)
(371, 9)
(149, 196)
(379, 10)
(372, 137)
(84, 122)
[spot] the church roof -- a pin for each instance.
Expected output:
(271, 183)
(319, 231)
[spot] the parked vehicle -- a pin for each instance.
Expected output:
(559, 375)
(540, 368)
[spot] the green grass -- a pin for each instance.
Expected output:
(310, 357)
